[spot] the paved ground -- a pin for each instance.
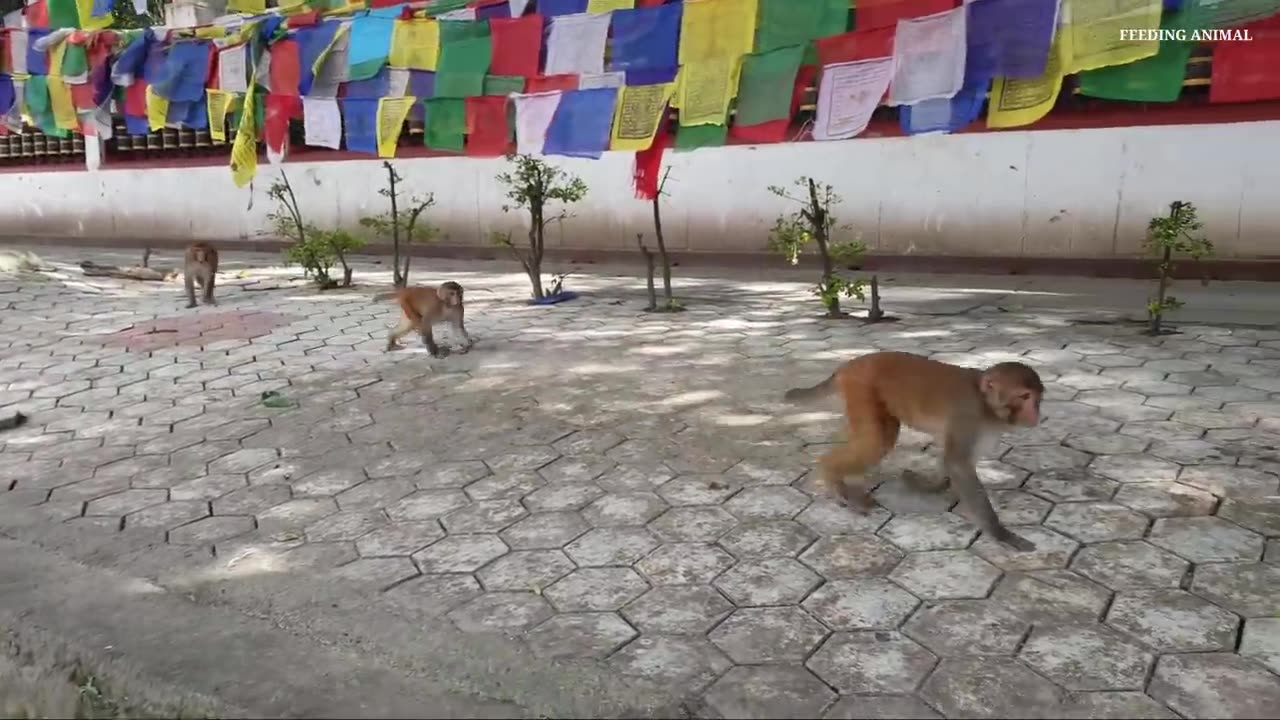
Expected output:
(601, 511)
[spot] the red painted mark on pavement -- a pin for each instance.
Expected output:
(199, 328)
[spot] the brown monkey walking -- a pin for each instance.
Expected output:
(423, 307)
(958, 406)
(200, 266)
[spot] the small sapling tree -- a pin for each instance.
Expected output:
(813, 222)
(406, 226)
(1175, 234)
(340, 244)
(310, 248)
(532, 186)
(670, 305)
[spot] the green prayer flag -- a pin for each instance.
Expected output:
(1158, 78)
(503, 84)
(75, 61)
(63, 14)
(39, 105)
(446, 124)
(440, 7)
(460, 73)
(451, 30)
(767, 85)
(1212, 14)
(784, 23)
(693, 137)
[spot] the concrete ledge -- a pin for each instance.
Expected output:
(1262, 269)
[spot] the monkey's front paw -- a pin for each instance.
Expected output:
(190, 305)
(1017, 542)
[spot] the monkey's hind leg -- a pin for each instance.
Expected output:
(430, 341)
(393, 338)
(207, 283)
(872, 434)
(188, 282)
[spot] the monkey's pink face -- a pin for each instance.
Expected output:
(1024, 407)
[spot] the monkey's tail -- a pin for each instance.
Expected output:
(809, 394)
(383, 297)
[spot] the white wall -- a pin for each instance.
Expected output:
(1068, 193)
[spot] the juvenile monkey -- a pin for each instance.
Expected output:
(200, 266)
(423, 307)
(958, 406)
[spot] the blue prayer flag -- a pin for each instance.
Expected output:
(7, 96)
(552, 8)
(646, 38)
(311, 42)
(37, 60)
(102, 8)
(183, 75)
(360, 124)
(1009, 38)
(582, 123)
(946, 115)
(136, 125)
(370, 45)
(375, 87)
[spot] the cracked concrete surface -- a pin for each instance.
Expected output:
(602, 512)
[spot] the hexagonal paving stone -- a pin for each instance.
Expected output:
(431, 596)
(521, 459)
(1173, 621)
(1217, 685)
(827, 517)
(1272, 553)
(484, 516)
(295, 514)
(242, 461)
(427, 505)
(530, 570)
(1135, 468)
(1038, 458)
(1231, 481)
(1044, 597)
(1166, 499)
(611, 546)
(329, 481)
(1015, 507)
(579, 635)
(1261, 641)
(587, 442)
(1071, 486)
(990, 687)
(581, 469)
(450, 475)
(846, 556)
(678, 609)
(1261, 515)
(1087, 657)
(861, 604)
(252, 500)
(399, 539)
(460, 553)
(167, 515)
(899, 497)
(945, 574)
(1097, 522)
(967, 627)
(319, 556)
(768, 692)
(210, 530)
(697, 490)
(916, 532)
(373, 494)
(616, 510)
(1130, 565)
(880, 707)
(1248, 589)
(1131, 705)
(685, 564)
(635, 478)
(208, 487)
(768, 502)
(125, 502)
(1206, 539)
(501, 612)
(778, 538)
(507, 486)
(562, 496)
(541, 531)
(771, 581)
(768, 635)
(872, 663)
(376, 573)
(401, 464)
(596, 589)
(692, 524)
(345, 525)
(689, 661)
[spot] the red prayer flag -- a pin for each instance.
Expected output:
(1247, 71)
(286, 68)
(777, 131)
(649, 3)
(82, 96)
(37, 14)
(135, 99)
(488, 131)
(857, 45)
(870, 14)
(280, 109)
(517, 42)
(547, 83)
(303, 19)
(645, 177)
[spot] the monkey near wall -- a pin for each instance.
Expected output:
(960, 407)
(200, 265)
(423, 307)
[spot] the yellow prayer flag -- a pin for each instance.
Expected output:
(415, 44)
(1015, 103)
(292, 7)
(1093, 29)
(62, 105)
(706, 88)
(220, 103)
(714, 28)
(638, 115)
(250, 7)
(157, 110)
(88, 21)
(604, 6)
(56, 56)
(392, 112)
(244, 151)
(213, 32)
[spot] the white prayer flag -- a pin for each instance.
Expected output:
(847, 96)
(322, 122)
(397, 82)
(591, 81)
(518, 7)
(533, 117)
(231, 70)
(466, 13)
(139, 7)
(17, 47)
(576, 44)
(928, 57)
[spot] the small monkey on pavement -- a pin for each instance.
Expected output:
(200, 266)
(958, 406)
(423, 307)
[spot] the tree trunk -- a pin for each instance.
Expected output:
(346, 276)
(1157, 317)
(662, 250)
(819, 215)
(874, 314)
(534, 266)
(397, 279)
(146, 257)
(648, 262)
